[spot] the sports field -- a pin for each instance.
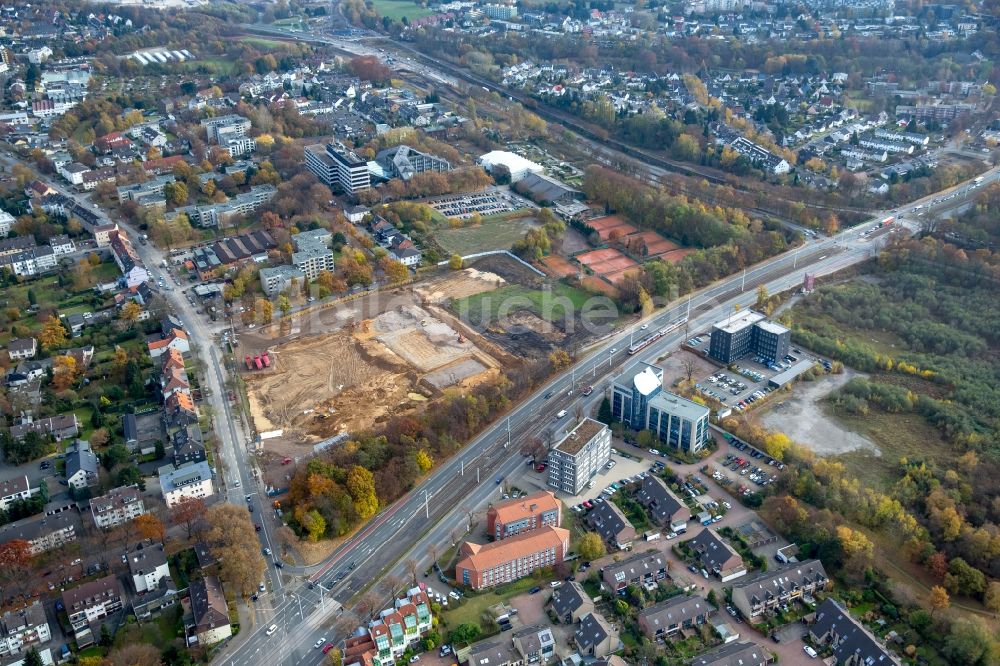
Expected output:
(397, 9)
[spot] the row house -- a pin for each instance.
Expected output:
(663, 620)
(390, 634)
(13, 489)
(612, 524)
(716, 555)
(63, 426)
(852, 644)
(133, 271)
(208, 622)
(766, 591)
(641, 568)
(663, 506)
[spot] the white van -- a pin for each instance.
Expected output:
(273, 628)
(651, 536)
(562, 413)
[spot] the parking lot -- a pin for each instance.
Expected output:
(484, 203)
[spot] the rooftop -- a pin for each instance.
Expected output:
(580, 436)
(647, 381)
(517, 509)
(738, 321)
(772, 327)
(678, 406)
(483, 557)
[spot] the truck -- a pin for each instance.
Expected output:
(249, 362)
(257, 362)
(266, 359)
(978, 181)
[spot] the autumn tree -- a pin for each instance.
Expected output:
(150, 527)
(423, 460)
(233, 541)
(395, 271)
(590, 546)
(64, 372)
(264, 310)
(361, 486)
(560, 359)
(188, 511)
(284, 304)
(15, 564)
(53, 333)
(455, 262)
(129, 314)
(938, 599)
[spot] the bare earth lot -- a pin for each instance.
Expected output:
(802, 417)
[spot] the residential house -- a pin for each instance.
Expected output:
(851, 642)
(511, 517)
(156, 600)
(664, 507)
(717, 556)
(734, 654)
(397, 628)
(177, 339)
(188, 445)
(491, 652)
(595, 636)
(82, 470)
(19, 349)
(147, 565)
(60, 427)
(44, 532)
(179, 410)
(535, 643)
(767, 591)
(209, 621)
(129, 263)
(62, 244)
(613, 526)
(23, 628)
(639, 569)
(90, 603)
(511, 559)
(13, 489)
(117, 506)
(103, 232)
(191, 480)
(570, 602)
(664, 619)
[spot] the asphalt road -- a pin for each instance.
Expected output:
(432, 512)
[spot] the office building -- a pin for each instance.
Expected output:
(678, 422)
(578, 456)
(404, 162)
(629, 398)
(338, 168)
(748, 333)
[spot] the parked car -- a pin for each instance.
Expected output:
(535, 590)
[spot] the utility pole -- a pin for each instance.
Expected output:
(477, 476)
(508, 431)
(743, 283)
(427, 513)
(463, 467)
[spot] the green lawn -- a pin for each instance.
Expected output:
(397, 9)
(472, 607)
(492, 234)
(556, 304)
(261, 42)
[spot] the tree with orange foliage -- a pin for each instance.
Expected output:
(150, 527)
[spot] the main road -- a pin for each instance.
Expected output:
(439, 508)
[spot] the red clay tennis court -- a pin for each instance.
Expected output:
(616, 276)
(655, 243)
(605, 261)
(605, 225)
(558, 266)
(674, 256)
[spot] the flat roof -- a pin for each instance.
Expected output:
(646, 381)
(579, 436)
(678, 406)
(783, 378)
(739, 320)
(772, 327)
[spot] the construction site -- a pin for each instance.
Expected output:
(349, 374)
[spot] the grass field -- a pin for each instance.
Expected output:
(471, 608)
(490, 235)
(261, 42)
(397, 9)
(897, 436)
(550, 305)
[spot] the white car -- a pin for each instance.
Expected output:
(555, 583)
(809, 651)
(671, 535)
(320, 643)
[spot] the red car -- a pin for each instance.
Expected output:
(327, 647)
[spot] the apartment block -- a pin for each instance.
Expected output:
(192, 480)
(224, 128)
(209, 612)
(147, 566)
(277, 279)
(117, 506)
(388, 636)
(482, 566)
(22, 628)
(44, 532)
(512, 517)
(13, 489)
(578, 456)
(90, 602)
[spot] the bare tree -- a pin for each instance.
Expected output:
(367, 605)
(689, 366)
(392, 584)
(411, 568)
(432, 552)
